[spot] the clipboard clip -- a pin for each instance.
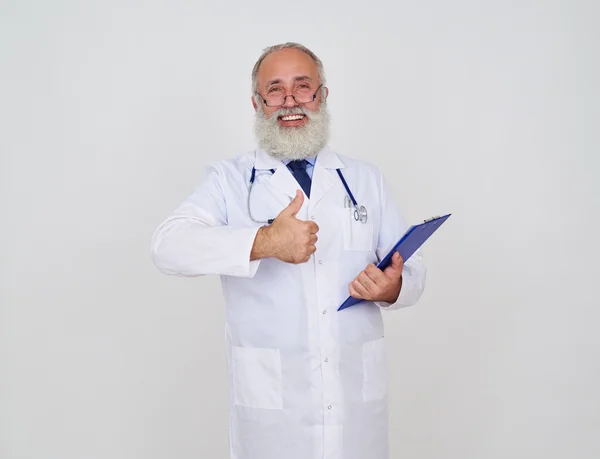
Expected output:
(431, 219)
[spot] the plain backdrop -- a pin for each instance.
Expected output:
(109, 112)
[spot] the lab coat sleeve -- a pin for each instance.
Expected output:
(393, 226)
(196, 240)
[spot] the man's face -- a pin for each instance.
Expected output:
(293, 130)
(288, 72)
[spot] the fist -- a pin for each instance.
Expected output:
(293, 240)
(373, 284)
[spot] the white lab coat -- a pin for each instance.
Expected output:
(306, 381)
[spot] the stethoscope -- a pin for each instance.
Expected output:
(360, 212)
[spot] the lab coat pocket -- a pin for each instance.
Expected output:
(257, 377)
(357, 235)
(374, 370)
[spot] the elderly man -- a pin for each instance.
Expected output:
(285, 228)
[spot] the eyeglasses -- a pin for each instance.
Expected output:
(302, 95)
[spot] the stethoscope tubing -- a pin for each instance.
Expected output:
(360, 212)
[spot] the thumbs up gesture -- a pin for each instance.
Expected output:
(373, 284)
(288, 239)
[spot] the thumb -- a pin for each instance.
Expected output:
(294, 206)
(397, 264)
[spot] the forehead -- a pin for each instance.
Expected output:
(286, 64)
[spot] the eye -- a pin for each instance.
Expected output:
(274, 89)
(304, 86)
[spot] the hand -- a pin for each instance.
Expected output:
(289, 239)
(373, 284)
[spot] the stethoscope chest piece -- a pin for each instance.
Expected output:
(360, 214)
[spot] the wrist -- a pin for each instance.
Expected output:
(262, 247)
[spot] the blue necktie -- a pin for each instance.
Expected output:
(298, 169)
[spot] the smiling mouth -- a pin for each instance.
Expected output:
(291, 117)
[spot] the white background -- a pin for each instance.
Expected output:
(109, 111)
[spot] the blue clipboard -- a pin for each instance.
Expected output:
(408, 244)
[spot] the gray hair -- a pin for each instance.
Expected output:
(288, 45)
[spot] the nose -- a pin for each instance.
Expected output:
(289, 101)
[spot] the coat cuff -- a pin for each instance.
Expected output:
(409, 295)
(249, 268)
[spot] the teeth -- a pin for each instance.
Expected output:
(292, 117)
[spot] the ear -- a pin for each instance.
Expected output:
(254, 103)
(326, 92)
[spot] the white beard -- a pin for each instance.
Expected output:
(292, 143)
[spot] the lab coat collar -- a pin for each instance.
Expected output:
(325, 158)
(323, 175)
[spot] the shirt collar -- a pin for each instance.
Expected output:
(310, 160)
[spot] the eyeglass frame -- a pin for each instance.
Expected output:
(314, 96)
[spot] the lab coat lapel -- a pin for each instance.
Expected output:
(325, 176)
(282, 180)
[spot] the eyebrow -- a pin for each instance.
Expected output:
(298, 78)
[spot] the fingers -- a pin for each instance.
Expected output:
(359, 289)
(368, 283)
(313, 228)
(309, 251)
(375, 274)
(354, 293)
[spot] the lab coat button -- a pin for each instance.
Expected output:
(320, 262)
(326, 359)
(324, 311)
(329, 407)
(312, 217)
